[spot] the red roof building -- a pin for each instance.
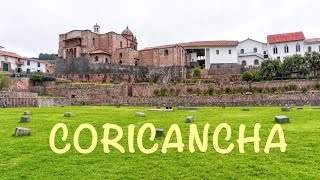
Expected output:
(286, 37)
(312, 41)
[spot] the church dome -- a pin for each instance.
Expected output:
(127, 32)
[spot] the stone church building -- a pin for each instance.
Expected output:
(110, 48)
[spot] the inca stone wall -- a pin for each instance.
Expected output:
(144, 94)
(80, 70)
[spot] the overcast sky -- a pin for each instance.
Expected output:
(29, 27)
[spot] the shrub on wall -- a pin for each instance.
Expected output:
(273, 89)
(4, 83)
(210, 91)
(38, 78)
(317, 86)
(197, 72)
(246, 76)
(190, 90)
(292, 87)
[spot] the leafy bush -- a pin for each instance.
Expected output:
(228, 90)
(4, 83)
(247, 76)
(256, 76)
(156, 92)
(210, 91)
(274, 89)
(292, 87)
(189, 90)
(197, 72)
(318, 86)
(38, 77)
(304, 90)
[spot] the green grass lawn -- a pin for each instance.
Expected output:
(31, 157)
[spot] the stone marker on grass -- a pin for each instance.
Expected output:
(281, 119)
(245, 109)
(25, 119)
(27, 113)
(190, 119)
(20, 131)
(286, 109)
(140, 114)
(299, 108)
(67, 114)
(159, 132)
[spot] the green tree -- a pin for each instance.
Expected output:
(247, 76)
(313, 59)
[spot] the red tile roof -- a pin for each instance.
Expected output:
(286, 37)
(10, 54)
(210, 44)
(199, 44)
(312, 41)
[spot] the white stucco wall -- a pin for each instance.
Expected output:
(10, 60)
(249, 44)
(223, 56)
(314, 47)
(34, 66)
(281, 52)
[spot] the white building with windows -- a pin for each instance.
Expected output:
(14, 63)
(251, 53)
(288, 44)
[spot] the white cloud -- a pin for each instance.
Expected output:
(31, 27)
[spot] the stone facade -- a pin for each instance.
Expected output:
(109, 48)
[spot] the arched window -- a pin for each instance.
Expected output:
(242, 51)
(94, 42)
(166, 52)
(136, 63)
(255, 50)
(256, 62)
(120, 55)
(244, 63)
(107, 60)
(286, 49)
(120, 44)
(96, 58)
(298, 48)
(120, 62)
(319, 48)
(275, 50)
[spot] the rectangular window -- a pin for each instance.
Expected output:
(229, 51)
(120, 55)
(38, 64)
(120, 44)
(217, 52)
(309, 49)
(28, 63)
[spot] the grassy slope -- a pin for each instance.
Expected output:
(31, 157)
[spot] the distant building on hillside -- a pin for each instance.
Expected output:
(14, 63)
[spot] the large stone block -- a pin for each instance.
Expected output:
(67, 114)
(286, 109)
(25, 119)
(190, 119)
(20, 131)
(27, 113)
(140, 114)
(159, 132)
(281, 119)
